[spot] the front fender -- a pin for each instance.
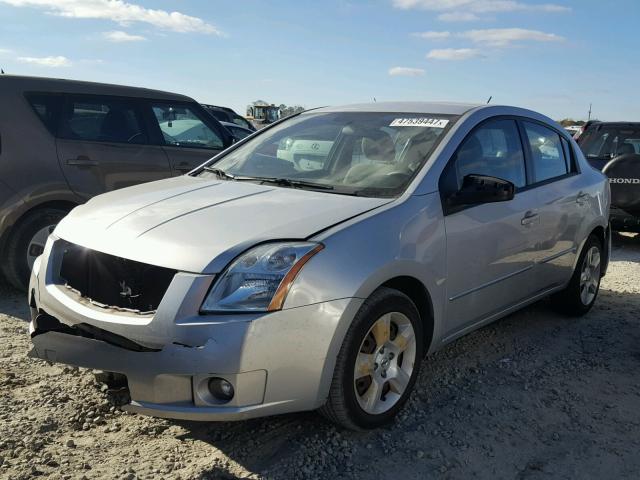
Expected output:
(405, 239)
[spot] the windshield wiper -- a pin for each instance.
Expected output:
(286, 182)
(219, 173)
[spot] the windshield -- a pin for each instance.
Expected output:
(373, 154)
(602, 141)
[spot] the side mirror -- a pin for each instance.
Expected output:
(482, 189)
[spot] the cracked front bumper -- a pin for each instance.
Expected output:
(277, 362)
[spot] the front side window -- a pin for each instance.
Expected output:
(547, 154)
(182, 127)
(494, 149)
(102, 119)
(374, 154)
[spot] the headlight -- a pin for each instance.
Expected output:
(259, 279)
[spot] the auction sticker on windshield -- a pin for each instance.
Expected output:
(419, 122)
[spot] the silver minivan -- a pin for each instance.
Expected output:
(65, 141)
(274, 279)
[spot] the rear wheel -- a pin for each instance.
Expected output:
(582, 291)
(378, 363)
(27, 242)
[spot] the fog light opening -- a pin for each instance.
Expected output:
(221, 389)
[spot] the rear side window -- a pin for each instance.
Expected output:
(547, 153)
(219, 115)
(493, 149)
(102, 119)
(47, 107)
(608, 141)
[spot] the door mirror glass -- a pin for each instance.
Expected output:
(482, 189)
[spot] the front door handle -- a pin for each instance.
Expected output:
(530, 218)
(82, 161)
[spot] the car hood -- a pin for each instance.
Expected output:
(199, 225)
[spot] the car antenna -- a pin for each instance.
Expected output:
(489, 101)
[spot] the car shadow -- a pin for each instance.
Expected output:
(468, 397)
(12, 302)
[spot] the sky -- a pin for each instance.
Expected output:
(555, 57)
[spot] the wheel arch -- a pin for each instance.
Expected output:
(419, 295)
(604, 235)
(66, 205)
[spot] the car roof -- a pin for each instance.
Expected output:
(59, 85)
(235, 125)
(615, 124)
(218, 107)
(441, 108)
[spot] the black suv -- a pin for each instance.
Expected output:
(614, 148)
(226, 114)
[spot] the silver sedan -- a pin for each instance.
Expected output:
(314, 264)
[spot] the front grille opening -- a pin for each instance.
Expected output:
(114, 282)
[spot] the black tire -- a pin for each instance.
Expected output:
(16, 267)
(342, 407)
(569, 301)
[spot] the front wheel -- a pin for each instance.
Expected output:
(582, 291)
(378, 363)
(27, 242)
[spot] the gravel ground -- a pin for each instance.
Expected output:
(534, 395)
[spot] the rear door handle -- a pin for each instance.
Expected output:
(581, 198)
(530, 218)
(82, 161)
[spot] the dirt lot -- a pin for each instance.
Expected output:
(535, 395)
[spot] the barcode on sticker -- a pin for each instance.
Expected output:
(419, 122)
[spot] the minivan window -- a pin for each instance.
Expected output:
(102, 119)
(182, 127)
(373, 154)
(547, 155)
(46, 106)
(493, 149)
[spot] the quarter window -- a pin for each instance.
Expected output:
(547, 155)
(182, 127)
(46, 107)
(493, 149)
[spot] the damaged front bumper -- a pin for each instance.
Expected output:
(278, 362)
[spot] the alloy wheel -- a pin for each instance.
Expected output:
(384, 363)
(590, 275)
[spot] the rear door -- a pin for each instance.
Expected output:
(562, 203)
(103, 144)
(188, 135)
(490, 247)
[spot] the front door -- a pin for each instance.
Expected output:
(490, 247)
(188, 136)
(103, 145)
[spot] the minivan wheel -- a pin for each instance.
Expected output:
(582, 291)
(378, 362)
(27, 242)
